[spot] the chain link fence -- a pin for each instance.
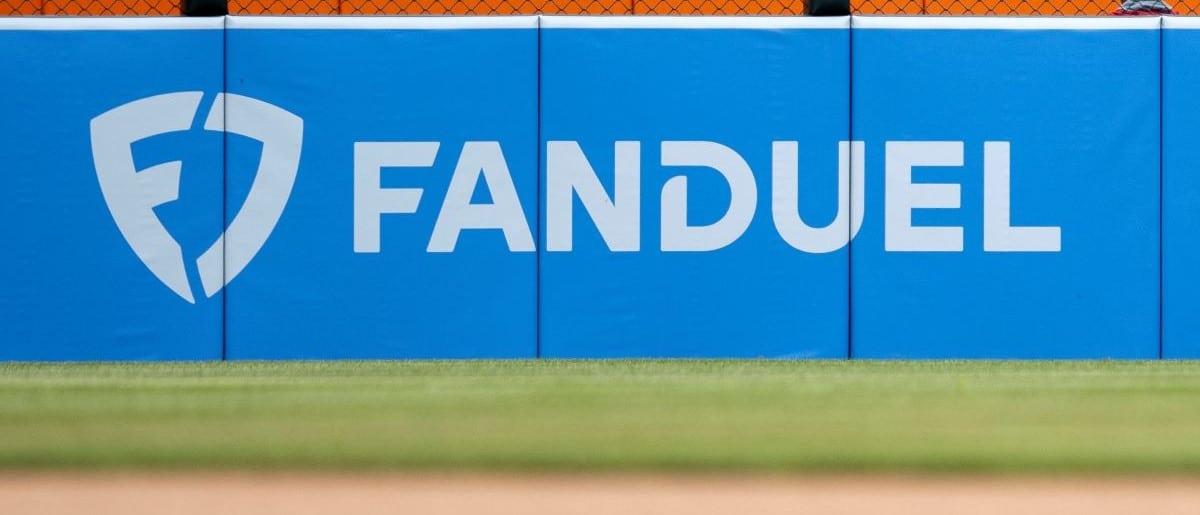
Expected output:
(89, 7)
(484, 7)
(1006, 7)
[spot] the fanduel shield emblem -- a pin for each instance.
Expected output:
(133, 194)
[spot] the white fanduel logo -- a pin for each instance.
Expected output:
(132, 195)
(617, 217)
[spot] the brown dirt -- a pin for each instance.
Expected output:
(45, 493)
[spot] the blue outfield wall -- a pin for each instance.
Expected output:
(1181, 188)
(409, 230)
(106, 166)
(867, 187)
(664, 142)
(1012, 188)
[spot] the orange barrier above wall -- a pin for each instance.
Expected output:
(20, 7)
(406, 7)
(109, 7)
(486, 7)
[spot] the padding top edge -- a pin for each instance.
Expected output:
(1008, 22)
(383, 22)
(695, 22)
(111, 23)
(1181, 22)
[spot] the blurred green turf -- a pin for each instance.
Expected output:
(823, 416)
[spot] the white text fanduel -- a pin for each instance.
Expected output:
(617, 217)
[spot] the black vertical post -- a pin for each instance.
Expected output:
(828, 8)
(205, 7)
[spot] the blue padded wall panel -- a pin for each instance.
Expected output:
(391, 109)
(111, 188)
(1012, 188)
(631, 106)
(1181, 188)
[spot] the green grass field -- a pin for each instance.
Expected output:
(814, 416)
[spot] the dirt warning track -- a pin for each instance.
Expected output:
(46, 493)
